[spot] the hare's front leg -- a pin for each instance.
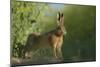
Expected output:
(58, 48)
(55, 51)
(59, 54)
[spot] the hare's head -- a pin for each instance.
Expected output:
(60, 22)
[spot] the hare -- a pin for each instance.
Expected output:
(52, 38)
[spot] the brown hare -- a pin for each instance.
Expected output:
(52, 38)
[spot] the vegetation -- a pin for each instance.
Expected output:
(79, 43)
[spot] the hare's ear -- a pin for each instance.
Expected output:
(61, 21)
(58, 17)
(62, 15)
